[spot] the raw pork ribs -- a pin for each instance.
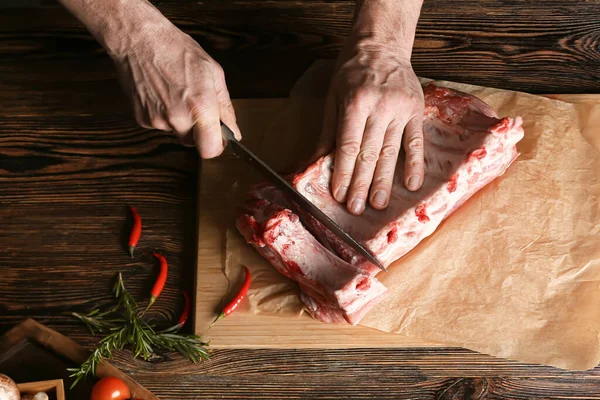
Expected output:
(466, 147)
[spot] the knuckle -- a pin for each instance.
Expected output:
(369, 156)
(199, 108)
(230, 110)
(415, 143)
(390, 151)
(382, 182)
(218, 69)
(207, 152)
(416, 163)
(342, 178)
(180, 122)
(204, 125)
(404, 96)
(370, 91)
(366, 95)
(203, 115)
(361, 99)
(353, 109)
(387, 107)
(159, 123)
(411, 102)
(361, 186)
(350, 148)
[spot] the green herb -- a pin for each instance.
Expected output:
(123, 326)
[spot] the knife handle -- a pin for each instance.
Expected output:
(227, 133)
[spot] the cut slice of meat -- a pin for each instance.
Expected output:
(466, 147)
(278, 235)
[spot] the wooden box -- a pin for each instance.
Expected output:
(32, 352)
(54, 389)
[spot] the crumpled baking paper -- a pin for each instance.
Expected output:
(514, 273)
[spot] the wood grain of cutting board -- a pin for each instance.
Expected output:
(244, 330)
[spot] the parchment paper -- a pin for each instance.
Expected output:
(514, 273)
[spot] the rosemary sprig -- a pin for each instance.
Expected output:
(190, 346)
(95, 320)
(114, 341)
(126, 301)
(127, 327)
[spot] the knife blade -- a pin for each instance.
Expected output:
(245, 154)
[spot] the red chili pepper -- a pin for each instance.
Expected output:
(186, 311)
(136, 231)
(229, 308)
(161, 279)
(183, 317)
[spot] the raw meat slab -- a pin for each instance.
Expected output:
(466, 147)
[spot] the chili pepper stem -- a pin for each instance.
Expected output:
(221, 315)
(131, 249)
(152, 300)
(173, 329)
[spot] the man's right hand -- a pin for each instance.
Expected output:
(174, 85)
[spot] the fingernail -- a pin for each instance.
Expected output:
(341, 194)
(357, 206)
(380, 197)
(413, 182)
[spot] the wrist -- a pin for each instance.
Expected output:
(134, 23)
(386, 24)
(119, 24)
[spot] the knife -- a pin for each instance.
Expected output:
(242, 152)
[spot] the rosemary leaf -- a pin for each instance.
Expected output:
(106, 346)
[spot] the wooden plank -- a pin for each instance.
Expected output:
(539, 47)
(60, 100)
(245, 330)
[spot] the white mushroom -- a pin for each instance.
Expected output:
(37, 396)
(8, 389)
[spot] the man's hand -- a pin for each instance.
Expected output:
(176, 86)
(375, 105)
(173, 83)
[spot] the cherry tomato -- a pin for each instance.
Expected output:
(110, 388)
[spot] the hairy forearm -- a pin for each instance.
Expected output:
(387, 22)
(117, 24)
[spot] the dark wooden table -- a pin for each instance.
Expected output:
(71, 159)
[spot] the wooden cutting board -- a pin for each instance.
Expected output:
(243, 330)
